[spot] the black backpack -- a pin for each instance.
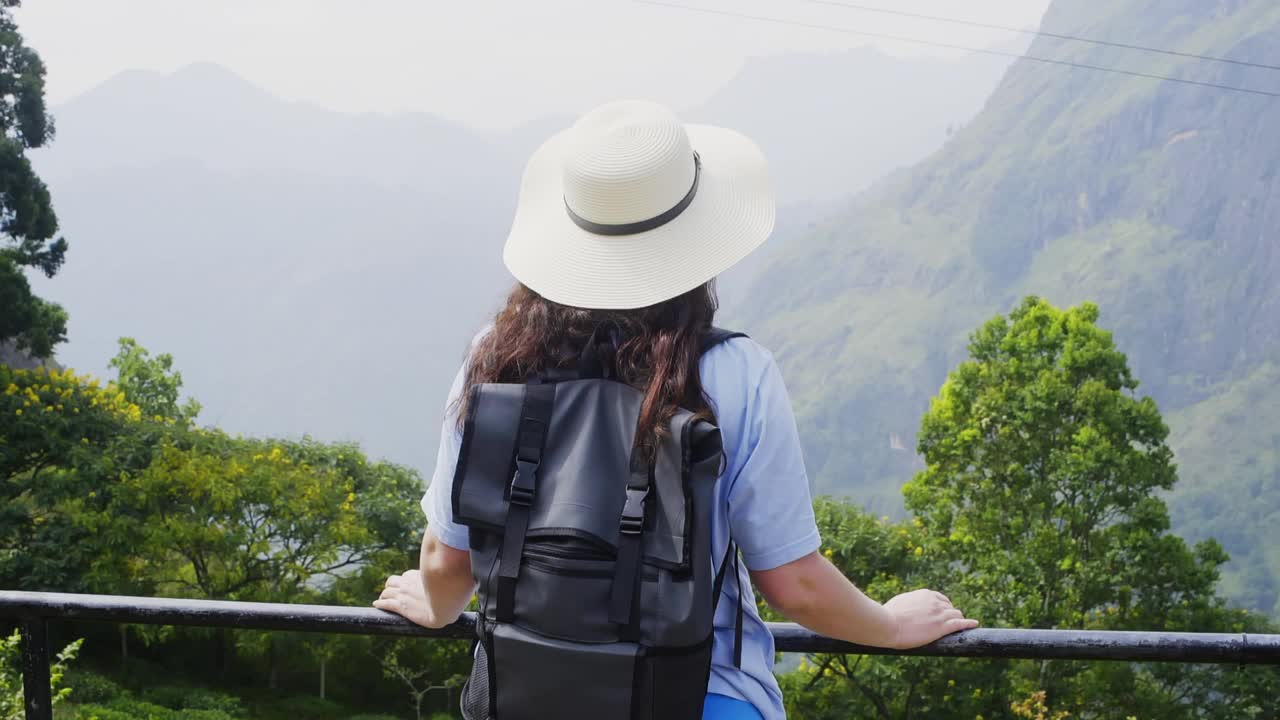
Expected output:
(595, 583)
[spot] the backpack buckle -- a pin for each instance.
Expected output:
(522, 482)
(633, 512)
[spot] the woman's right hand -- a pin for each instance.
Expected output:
(923, 616)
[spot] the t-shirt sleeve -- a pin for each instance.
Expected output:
(437, 503)
(770, 509)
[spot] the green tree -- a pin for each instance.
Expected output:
(1038, 445)
(151, 383)
(56, 430)
(218, 517)
(1038, 507)
(27, 220)
(224, 518)
(1040, 494)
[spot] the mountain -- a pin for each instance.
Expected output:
(321, 272)
(295, 261)
(1157, 200)
(872, 112)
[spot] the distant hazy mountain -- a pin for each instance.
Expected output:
(1158, 201)
(833, 124)
(310, 271)
(319, 272)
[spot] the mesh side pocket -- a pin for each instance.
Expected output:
(475, 694)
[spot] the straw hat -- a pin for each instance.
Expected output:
(630, 207)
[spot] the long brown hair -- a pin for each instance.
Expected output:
(657, 353)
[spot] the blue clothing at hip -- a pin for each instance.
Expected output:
(722, 707)
(763, 501)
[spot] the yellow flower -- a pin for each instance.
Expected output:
(351, 497)
(951, 683)
(18, 411)
(828, 553)
(919, 550)
(93, 494)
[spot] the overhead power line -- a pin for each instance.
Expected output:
(966, 48)
(1039, 33)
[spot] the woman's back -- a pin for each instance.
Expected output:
(762, 500)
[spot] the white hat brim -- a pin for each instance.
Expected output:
(732, 214)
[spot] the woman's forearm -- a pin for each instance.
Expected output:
(446, 581)
(437, 592)
(815, 594)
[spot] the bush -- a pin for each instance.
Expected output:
(166, 695)
(368, 716)
(93, 711)
(188, 698)
(90, 687)
(137, 672)
(298, 707)
(134, 710)
(190, 714)
(141, 709)
(199, 699)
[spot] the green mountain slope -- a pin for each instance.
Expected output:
(1159, 201)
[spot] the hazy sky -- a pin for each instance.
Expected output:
(485, 63)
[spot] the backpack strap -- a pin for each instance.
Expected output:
(626, 578)
(730, 554)
(535, 417)
(716, 336)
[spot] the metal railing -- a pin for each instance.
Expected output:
(33, 610)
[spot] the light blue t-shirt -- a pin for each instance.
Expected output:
(763, 501)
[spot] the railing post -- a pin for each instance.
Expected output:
(36, 690)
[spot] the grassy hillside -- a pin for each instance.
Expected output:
(1159, 201)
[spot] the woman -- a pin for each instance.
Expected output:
(624, 221)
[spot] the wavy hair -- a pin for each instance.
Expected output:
(658, 350)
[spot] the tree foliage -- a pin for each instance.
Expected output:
(60, 435)
(1037, 444)
(112, 488)
(151, 382)
(223, 518)
(27, 220)
(1039, 506)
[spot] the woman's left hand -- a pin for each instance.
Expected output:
(405, 595)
